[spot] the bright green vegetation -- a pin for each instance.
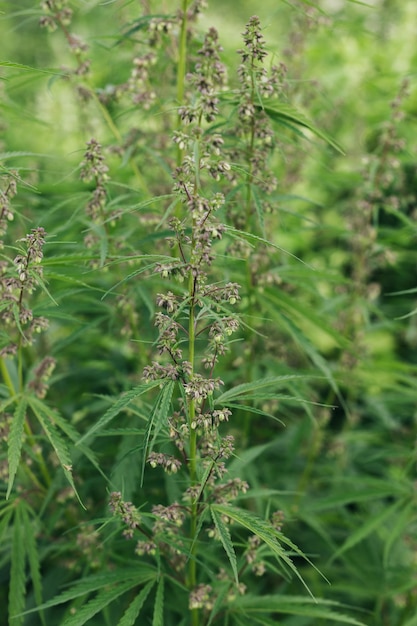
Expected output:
(208, 336)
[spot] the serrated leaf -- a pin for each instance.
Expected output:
(267, 534)
(277, 396)
(256, 385)
(45, 418)
(74, 436)
(133, 611)
(283, 113)
(158, 611)
(137, 575)
(15, 441)
(97, 604)
(226, 540)
(17, 587)
(120, 404)
(20, 66)
(294, 605)
(255, 240)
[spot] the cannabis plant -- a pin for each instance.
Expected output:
(207, 383)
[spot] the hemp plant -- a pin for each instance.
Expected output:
(194, 557)
(33, 434)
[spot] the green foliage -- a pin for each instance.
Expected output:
(207, 313)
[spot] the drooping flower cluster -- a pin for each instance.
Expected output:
(58, 15)
(94, 168)
(16, 283)
(42, 373)
(7, 193)
(127, 512)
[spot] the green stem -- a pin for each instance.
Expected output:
(192, 564)
(182, 55)
(181, 71)
(192, 287)
(249, 285)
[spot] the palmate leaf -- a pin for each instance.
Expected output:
(289, 116)
(226, 540)
(120, 404)
(246, 389)
(15, 441)
(74, 436)
(269, 535)
(283, 113)
(252, 409)
(294, 605)
(255, 240)
(101, 601)
(46, 419)
(128, 576)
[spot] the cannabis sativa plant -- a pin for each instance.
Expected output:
(192, 290)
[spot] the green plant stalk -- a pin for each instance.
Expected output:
(249, 286)
(182, 57)
(192, 564)
(181, 70)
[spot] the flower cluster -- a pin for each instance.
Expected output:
(195, 322)
(15, 285)
(138, 84)
(58, 15)
(200, 597)
(253, 124)
(94, 168)
(42, 373)
(383, 188)
(7, 193)
(209, 76)
(126, 511)
(170, 464)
